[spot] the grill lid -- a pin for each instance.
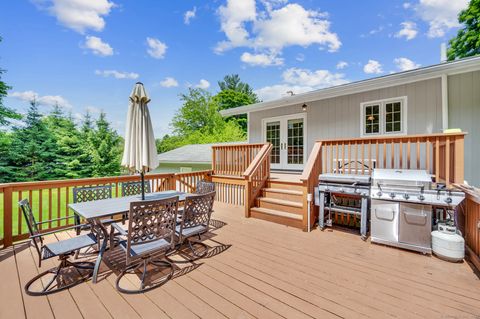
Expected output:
(406, 177)
(344, 178)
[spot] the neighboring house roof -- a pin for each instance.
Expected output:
(191, 154)
(420, 74)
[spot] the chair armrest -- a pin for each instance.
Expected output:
(58, 230)
(55, 220)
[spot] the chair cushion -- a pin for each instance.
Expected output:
(190, 231)
(141, 249)
(68, 245)
(122, 231)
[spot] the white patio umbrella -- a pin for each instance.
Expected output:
(140, 152)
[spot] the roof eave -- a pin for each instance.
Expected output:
(400, 78)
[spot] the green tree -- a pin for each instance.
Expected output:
(105, 147)
(69, 144)
(234, 83)
(33, 150)
(467, 41)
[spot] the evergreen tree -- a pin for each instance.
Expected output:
(105, 148)
(467, 41)
(32, 155)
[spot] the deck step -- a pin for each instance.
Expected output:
(276, 216)
(293, 207)
(272, 183)
(285, 194)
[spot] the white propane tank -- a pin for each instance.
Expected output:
(447, 244)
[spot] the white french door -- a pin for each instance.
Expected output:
(288, 137)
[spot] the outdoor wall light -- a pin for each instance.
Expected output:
(304, 107)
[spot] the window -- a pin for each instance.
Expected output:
(384, 117)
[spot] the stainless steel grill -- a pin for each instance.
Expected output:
(345, 194)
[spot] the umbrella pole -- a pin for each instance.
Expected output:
(142, 174)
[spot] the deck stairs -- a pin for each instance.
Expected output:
(281, 202)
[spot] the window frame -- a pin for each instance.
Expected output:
(383, 122)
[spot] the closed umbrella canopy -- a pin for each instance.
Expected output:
(140, 152)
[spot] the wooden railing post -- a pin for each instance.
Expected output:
(7, 217)
(459, 160)
(248, 197)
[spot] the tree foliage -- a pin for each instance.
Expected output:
(467, 41)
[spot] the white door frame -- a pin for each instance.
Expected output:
(283, 139)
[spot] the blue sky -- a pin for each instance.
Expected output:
(86, 54)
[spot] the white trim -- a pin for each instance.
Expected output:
(444, 102)
(284, 119)
(421, 74)
(248, 127)
(382, 103)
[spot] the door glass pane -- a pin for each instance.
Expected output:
(273, 136)
(295, 141)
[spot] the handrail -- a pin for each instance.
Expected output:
(256, 175)
(264, 151)
(312, 159)
(392, 137)
(233, 159)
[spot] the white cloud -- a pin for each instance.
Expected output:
(48, 100)
(156, 48)
(372, 67)
(169, 82)
(342, 65)
(409, 30)
(79, 15)
(300, 81)
(97, 46)
(93, 110)
(276, 27)
(261, 59)
(404, 64)
(117, 74)
(441, 15)
(189, 15)
(406, 5)
(203, 84)
(300, 57)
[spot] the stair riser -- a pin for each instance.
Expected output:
(277, 219)
(291, 197)
(282, 185)
(280, 207)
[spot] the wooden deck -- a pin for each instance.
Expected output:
(263, 270)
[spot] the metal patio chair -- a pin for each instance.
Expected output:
(90, 193)
(204, 187)
(134, 188)
(61, 249)
(151, 231)
(194, 222)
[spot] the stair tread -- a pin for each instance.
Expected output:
(283, 191)
(281, 202)
(277, 213)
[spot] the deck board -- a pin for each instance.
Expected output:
(269, 271)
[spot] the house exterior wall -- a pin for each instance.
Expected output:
(339, 117)
(464, 113)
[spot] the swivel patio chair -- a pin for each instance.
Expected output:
(151, 231)
(194, 222)
(61, 249)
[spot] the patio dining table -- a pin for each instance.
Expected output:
(95, 211)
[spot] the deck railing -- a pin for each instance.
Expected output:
(440, 154)
(469, 222)
(233, 160)
(256, 175)
(50, 199)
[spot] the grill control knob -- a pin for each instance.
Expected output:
(406, 196)
(379, 194)
(392, 195)
(448, 200)
(421, 197)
